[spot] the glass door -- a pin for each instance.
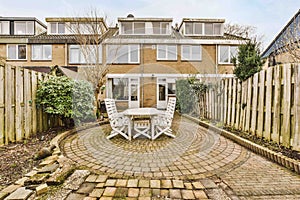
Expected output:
(134, 91)
(161, 93)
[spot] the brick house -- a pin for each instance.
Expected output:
(145, 56)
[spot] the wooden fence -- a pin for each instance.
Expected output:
(19, 115)
(267, 104)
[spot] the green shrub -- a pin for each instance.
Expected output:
(72, 101)
(248, 61)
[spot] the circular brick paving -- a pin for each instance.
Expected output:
(195, 153)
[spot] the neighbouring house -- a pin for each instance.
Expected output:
(285, 47)
(144, 56)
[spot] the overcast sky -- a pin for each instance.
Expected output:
(268, 16)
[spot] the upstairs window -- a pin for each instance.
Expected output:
(16, 52)
(226, 53)
(137, 28)
(85, 55)
(123, 54)
(191, 52)
(160, 28)
(24, 28)
(57, 27)
(193, 28)
(4, 28)
(217, 29)
(208, 27)
(41, 52)
(166, 52)
(85, 28)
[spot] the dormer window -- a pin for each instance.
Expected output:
(4, 28)
(160, 28)
(57, 27)
(193, 28)
(133, 28)
(24, 28)
(202, 28)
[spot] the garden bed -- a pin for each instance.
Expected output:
(17, 159)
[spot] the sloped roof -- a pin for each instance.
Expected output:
(272, 46)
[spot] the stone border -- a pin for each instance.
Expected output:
(278, 158)
(18, 189)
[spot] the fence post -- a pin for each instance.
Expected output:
(269, 100)
(27, 103)
(261, 98)
(296, 144)
(276, 105)
(229, 101)
(249, 104)
(238, 104)
(8, 105)
(254, 104)
(18, 101)
(225, 105)
(2, 105)
(286, 132)
(233, 102)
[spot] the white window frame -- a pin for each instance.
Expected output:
(194, 24)
(191, 53)
(229, 54)
(158, 47)
(160, 28)
(2, 24)
(81, 54)
(43, 51)
(56, 26)
(129, 46)
(133, 28)
(17, 53)
(26, 28)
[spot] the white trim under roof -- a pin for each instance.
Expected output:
(171, 75)
(171, 41)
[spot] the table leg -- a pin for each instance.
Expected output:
(130, 127)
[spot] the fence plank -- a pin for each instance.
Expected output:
(286, 132)
(225, 100)
(242, 106)
(221, 101)
(248, 104)
(296, 140)
(2, 114)
(233, 106)
(268, 116)
(27, 103)
(39, 110)
(8, 106)
(261, 99)
(254, 104)
(276, 105)
(238, 104)
(229, 101)
(18, 102)
(33, 104)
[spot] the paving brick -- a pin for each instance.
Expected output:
(10, 188)
(200, 194)
(90, 198)
(132, 183)
(48, 168)
(101, 178)
(145, 192)
(155, 183)
(166, 184)
(86, 188)
(91, 178)
(178, 184)
(100, 185)
(188, 186)
(121, 192)
(110, 182)
(73, 196)
(133, 192)
(76, 179)
(156, 192)
(144, 198)
(144, 183)
(96, 192)
(20, 193)
(207, 183)
(198, 185)
(106, 198)
(164, 193)
(187, 194)
(121, 183)
(3, 195)
(41, 189)
(175, 194)
(21, 181)
(109, 191)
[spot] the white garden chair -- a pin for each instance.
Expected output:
(118, 122)
(162, 123)
(142, 127)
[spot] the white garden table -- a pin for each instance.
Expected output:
(133, 112)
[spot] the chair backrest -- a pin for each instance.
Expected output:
(171, 106)
(111, 107)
